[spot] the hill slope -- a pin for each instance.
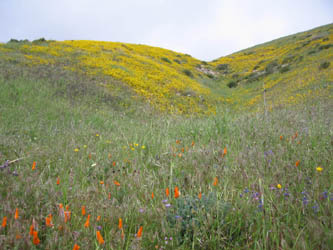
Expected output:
(292, 69)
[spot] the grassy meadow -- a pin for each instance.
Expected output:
(101, 152)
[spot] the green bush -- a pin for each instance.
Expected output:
(312, 52)
(271, 67)
(326, 46)
(324, 65)
(223, 66)
(256, 67)
(13, 41)
(191, 212)
(210, 75)
(165, 59)
(284, 69)
(177, 61)
(40, 40)
(188, 72)
(288, 59)
(232, 84)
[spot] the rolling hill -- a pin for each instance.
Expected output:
(291, 70)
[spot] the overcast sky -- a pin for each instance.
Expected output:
(205, 29)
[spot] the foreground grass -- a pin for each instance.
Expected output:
(83, 142)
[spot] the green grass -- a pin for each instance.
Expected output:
(89, 130)
(47, 113)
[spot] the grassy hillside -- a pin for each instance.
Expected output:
(291, 70)
(82, 133)
(164, 78)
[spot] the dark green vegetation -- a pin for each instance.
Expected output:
(274, 186)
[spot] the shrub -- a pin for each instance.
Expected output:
(40, 40)
(284, 69)
(305, 43)
(188, 72)
(254, 76)
(256, 67)
(177, 61)
(165, 59)
(312, 52)
(232, 84)
(191, 212)
(210, 75)
(271, 67)
(324, 65)
(326, 46)
(288, 59)
(222, 66)
(13, 41)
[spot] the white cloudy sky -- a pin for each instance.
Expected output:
(206, 29)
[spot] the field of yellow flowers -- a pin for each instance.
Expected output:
(289, 70)
(101, 147)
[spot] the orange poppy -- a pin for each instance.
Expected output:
(48, 221)
(98, 218)
(99, 238)
(152, 195)
(116, 183)
(281, 137)
(167, 192)
(67, 215)
(33, 165)
(4, 221)
(32, 229)
(83, 210)
(35, 239)
(200, 195)
(139, 234)
(87, 221)
(120, 223)
(58, 181)
(215, 181)
(297, 163)
(76, 247)
(16, 214)
(224, 152)
(176, 192)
